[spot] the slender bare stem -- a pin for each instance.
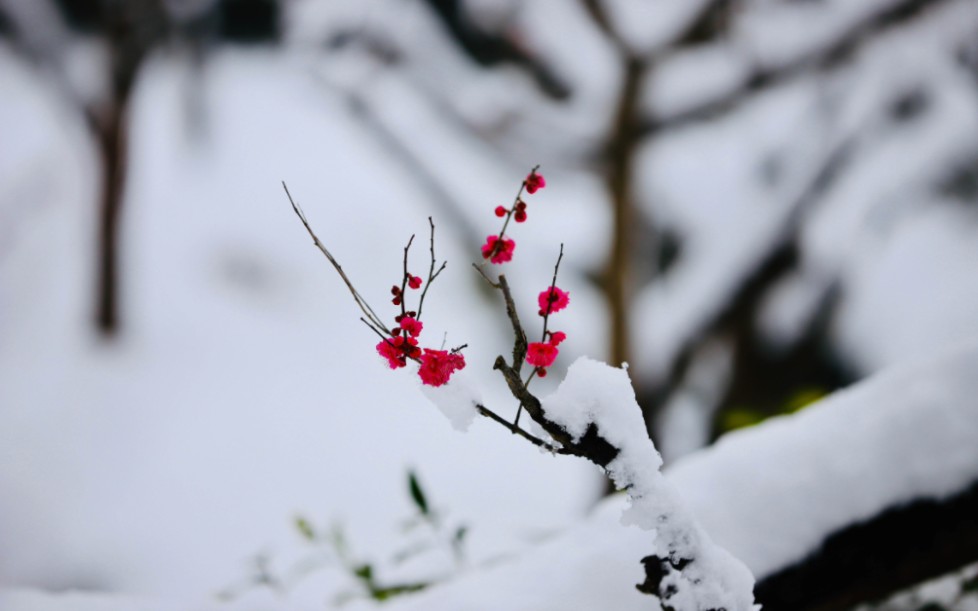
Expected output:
(432, 274)
(518, 431)
(509, 214)
(404, 280)
(361, 302)
(550, 294)
(485, 277)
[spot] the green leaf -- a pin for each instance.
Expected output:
(804, 397)
(392, 591)
(417, 494)
(365, 572)
(739, 417)
(460, 533)
(305, 528)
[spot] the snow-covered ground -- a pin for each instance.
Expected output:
(903, 434)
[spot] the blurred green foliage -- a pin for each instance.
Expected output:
(738, 417)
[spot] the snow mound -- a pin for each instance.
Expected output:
(698, 574)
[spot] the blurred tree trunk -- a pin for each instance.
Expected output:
(132, 28)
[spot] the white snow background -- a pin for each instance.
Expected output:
(243, 389)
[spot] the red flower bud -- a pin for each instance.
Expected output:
(552, 300)
(539, 354)
(498, 251)
(534, 182)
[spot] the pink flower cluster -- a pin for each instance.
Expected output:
(498, 248)
(437, 366)
(543, 354)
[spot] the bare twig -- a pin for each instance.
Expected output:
(546, 318)
(376, 330)
(551, 295)
(404, 280)
(518, 431)
(516, 201)
(361, 302)
(591, 445)
(432, 274)
(509, 214)
(485, 277)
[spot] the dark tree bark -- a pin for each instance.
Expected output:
(892, 551)
(132, 29)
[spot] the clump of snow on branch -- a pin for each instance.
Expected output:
(457, 399)
(597, 395)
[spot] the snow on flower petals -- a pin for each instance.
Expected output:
(498, 250)
(540, 354)
(552, 300)
(397, 350)
(437, 366)
(535, 182)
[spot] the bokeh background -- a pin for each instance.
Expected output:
(761, 201)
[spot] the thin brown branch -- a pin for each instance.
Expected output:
(432, 274)
(590, 445)
(361, 302)
(518, 431)
(551, 295)
(516, 201)
(509, 214)
(520, 343)
(599, 16)
(485, 277)
(546, 318)
(404, 278)
(857, 35)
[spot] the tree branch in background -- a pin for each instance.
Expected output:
(489, 49)
(886, 553)
(766, 78)
(735, 318)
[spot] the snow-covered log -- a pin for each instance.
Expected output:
(892, 457)
(903, 545)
